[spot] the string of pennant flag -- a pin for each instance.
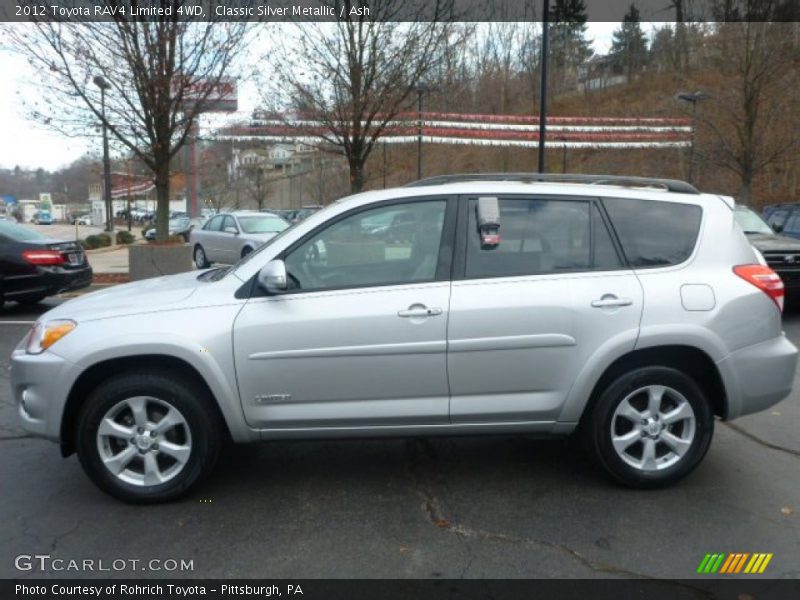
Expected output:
(488, 130)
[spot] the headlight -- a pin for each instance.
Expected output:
(45, 334)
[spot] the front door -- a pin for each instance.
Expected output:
(360, 338)
(526, 314)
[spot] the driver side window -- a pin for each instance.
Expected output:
(393, 244)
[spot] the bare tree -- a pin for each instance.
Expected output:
(256, 183)
(152, 69)
(749, 117)
(356, 75)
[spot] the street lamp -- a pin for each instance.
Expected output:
(693, 99)
(543, 84)
(421, 88)
(100, 82)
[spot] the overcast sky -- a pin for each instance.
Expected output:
(28, 145)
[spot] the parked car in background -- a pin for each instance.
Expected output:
(82, 220)
(784, 218)
(8, 218)
(781, 252)
(306, 212)
(178, 225)
(632, 312)
(42, 217)
(226, 238)
(33, 266)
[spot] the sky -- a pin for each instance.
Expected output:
(31, 146)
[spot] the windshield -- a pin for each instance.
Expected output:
(750, 222)
(18, 233)
(262, 224)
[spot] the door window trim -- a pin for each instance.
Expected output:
(443, 264)
(463, 233)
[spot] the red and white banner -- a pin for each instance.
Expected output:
(491, 130)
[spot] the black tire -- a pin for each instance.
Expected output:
(596, 427)
(200, 259)
(193, 404)
(246, 250)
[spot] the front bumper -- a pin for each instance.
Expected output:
(758, 376)
(40, 384)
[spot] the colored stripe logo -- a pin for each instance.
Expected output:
(734, 563)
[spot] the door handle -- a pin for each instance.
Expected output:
(417, 310)
(611, 301)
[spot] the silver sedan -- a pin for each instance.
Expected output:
(226, 238)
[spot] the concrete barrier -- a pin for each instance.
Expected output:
(154, 260)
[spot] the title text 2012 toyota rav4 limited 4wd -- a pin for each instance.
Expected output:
(631, 311)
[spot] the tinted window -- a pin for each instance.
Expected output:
(386, 245)
(541, 236)
(654, 233)
(229, 222)
(214, 224)
(793, 224)
(777, 217)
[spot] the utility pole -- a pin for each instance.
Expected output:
(421, 89)
(543, 85)
(103, 85)
(693, 99)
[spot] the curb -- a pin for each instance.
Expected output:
(110, 278)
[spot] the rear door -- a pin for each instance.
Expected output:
(526, 314)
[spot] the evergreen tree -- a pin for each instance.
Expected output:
(629, 45)
(569, 48)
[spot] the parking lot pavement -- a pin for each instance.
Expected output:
(506, 506)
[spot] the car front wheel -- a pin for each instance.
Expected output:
(147, 436)
(650, 427)
(200, 258)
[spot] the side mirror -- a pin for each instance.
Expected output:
(777, 228)
(231, 230)
(272, 277)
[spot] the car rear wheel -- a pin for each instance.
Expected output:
(147, 436)
(200, 257)
(650, 427)
(246, 250)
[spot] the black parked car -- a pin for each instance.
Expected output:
(33, 266)
(781, 252)
(783, 218)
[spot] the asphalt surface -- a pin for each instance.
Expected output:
(506, 506)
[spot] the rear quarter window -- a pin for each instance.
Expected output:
(654, 233)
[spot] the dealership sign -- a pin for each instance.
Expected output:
(211, 96)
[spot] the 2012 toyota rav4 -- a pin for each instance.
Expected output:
(631, 311)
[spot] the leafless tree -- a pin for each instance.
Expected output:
(356, 75)
(255, 182)
(749, 119)
(152, 68)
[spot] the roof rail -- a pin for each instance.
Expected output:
(668, 185)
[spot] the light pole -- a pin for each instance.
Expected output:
(543, 84)
(421, 88)
(103, 85)
(693, 99)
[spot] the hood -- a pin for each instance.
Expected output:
(140, 297)
(774, 243)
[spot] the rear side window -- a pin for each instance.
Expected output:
(654, 233)
(540, 236)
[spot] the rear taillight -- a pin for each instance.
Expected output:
(765, 279)
(43, 257)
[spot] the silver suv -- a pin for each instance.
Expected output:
(629, 311)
